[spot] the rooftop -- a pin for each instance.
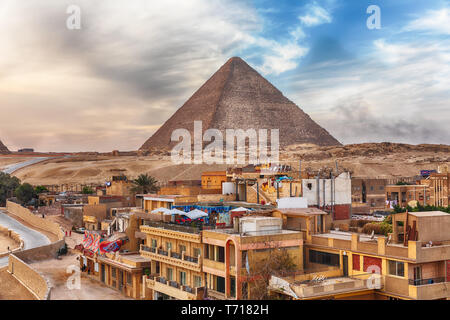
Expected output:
(301, 211)
(429, 214)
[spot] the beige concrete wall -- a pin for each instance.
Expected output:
(29, 277)
(95, 210)
(14, 236)
(34, 220)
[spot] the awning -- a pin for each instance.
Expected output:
(161, 210)
(195, 214)
(175, 211)
(240, 209)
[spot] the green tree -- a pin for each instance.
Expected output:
(8, 185)
(40, 189)
(144, 184)
(87, 190)
(25, 193)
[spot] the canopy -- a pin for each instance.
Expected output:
(195, 214)
(240, 209)
(161, 210)
(175, 211)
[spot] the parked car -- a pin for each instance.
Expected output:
(80, 230)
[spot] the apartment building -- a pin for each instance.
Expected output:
(368, 195)
(232, 254)
(122, 272)
(412, 263)
(176, 255)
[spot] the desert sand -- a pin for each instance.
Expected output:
(377, 160)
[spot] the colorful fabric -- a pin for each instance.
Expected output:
(110, 246)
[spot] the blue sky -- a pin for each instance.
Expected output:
(112, 83)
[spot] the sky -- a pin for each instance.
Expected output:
(114, 81)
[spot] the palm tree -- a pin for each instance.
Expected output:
(144, 184)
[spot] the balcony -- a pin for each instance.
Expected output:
(324, 287)
(429, 289)
(423, 282)
(173, 288)
(173, 258)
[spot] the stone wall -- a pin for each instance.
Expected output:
(34, 220)
(13, 235)
(29, 278)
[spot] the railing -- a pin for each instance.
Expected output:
(190, 259)
(148, 249)
(174, 255)
(162, 252)
(422, 282)
(176, 227)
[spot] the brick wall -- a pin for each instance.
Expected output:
(371, 261)
(356, 262)
(342, 212)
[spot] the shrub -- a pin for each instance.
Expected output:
(372, 226)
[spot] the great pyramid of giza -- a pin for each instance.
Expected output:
(3, 148)
(238, 97)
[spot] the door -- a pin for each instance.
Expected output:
(103, 273)
(417, 275)
(345, 265)
(120, 280)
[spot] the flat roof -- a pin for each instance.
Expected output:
(343, 235)
(429, 214)
(301, 211)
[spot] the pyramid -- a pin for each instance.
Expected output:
(238, 97)
(3, 149)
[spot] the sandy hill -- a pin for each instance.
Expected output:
(238, 97)
(3, 148)
(368, 159)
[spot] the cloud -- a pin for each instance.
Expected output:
(112, 83)
(398, 92)
(432, 21)
(315, 15)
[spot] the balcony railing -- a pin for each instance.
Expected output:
(176, 227)
(175, 255)
(423, 282)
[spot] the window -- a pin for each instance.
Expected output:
(381, 187)
(154, 243)
(129, 280)
(168, 246)
(182, 248)
(221, 254)
(197, 252)
(197, 281)
(169, 274)
(329, 259)
(113, 272)
(396, 268)
(183, 278)
(309, 186)
(207, 251)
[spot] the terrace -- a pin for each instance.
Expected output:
(173, 288)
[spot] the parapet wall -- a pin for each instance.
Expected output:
(34, 220)
(29, 278)
(13, 235)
